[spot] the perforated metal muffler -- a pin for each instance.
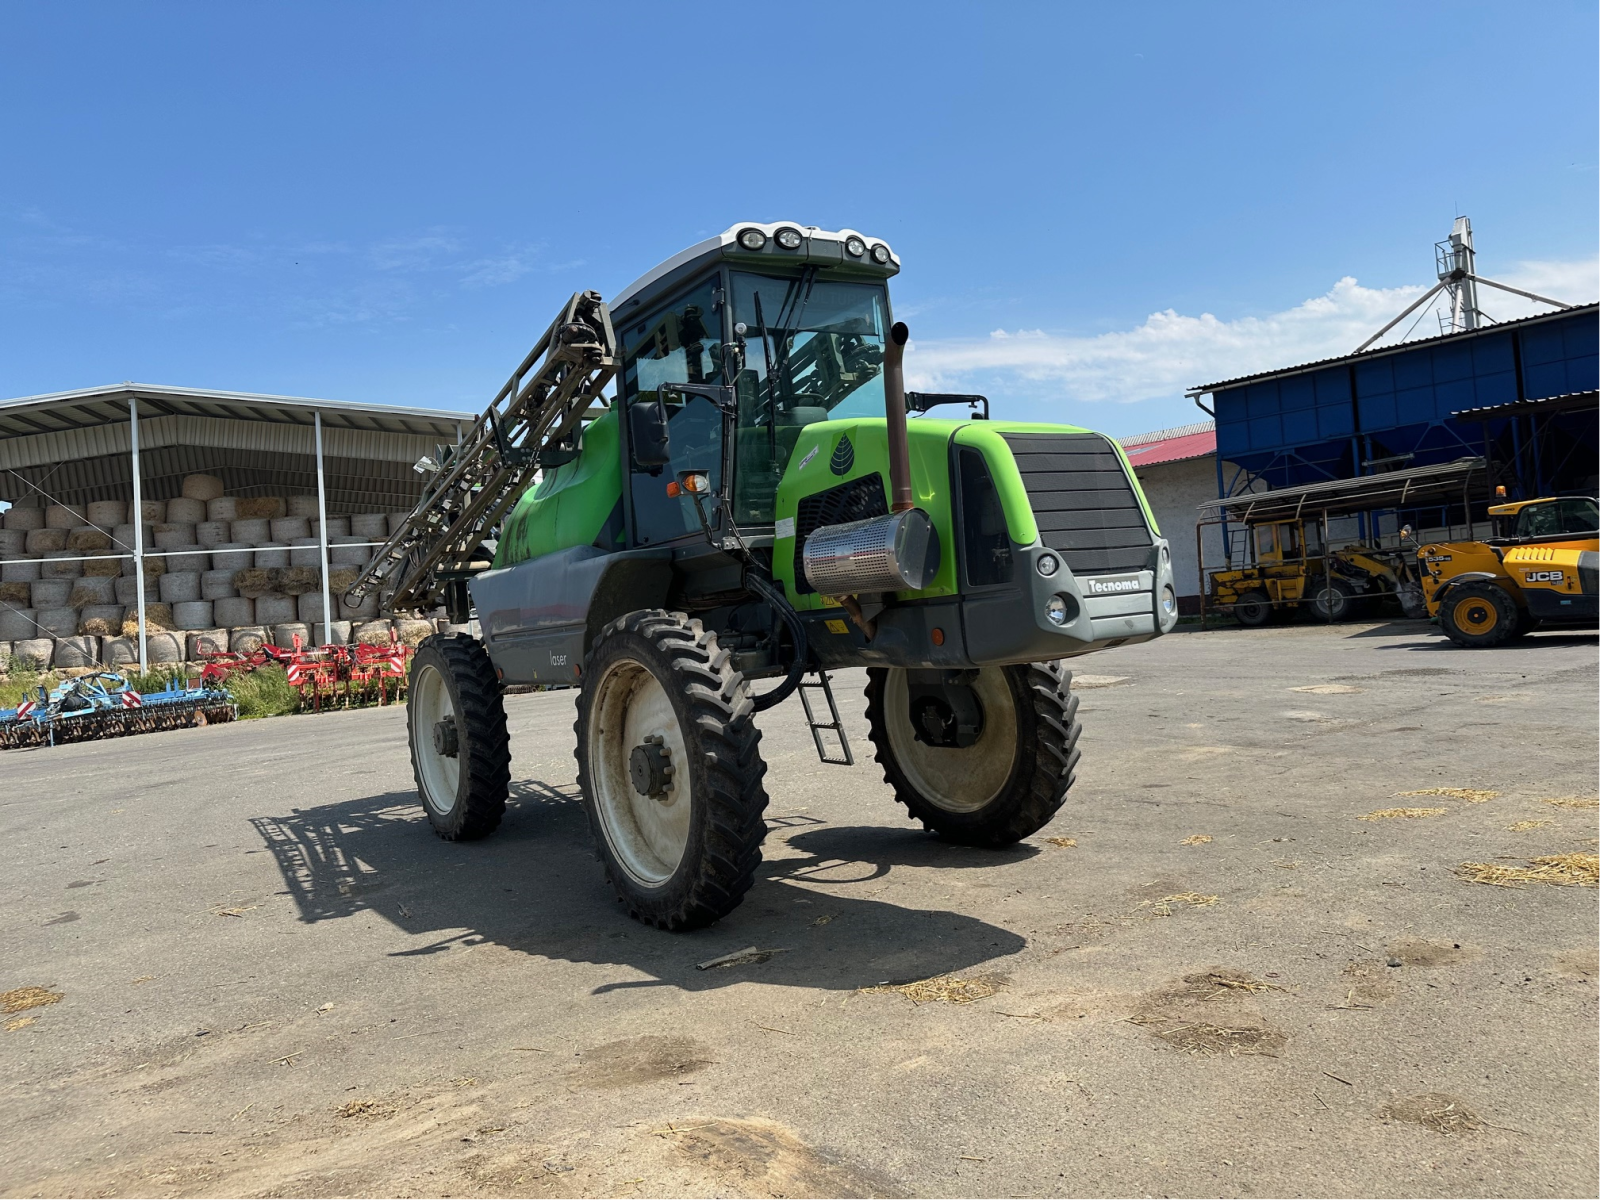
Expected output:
(894, 553)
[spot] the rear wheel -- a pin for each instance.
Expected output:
(1331, 599)
(670, 768)
(456, 724)
(1010, 782)
(1479, 614)
(1252, 610)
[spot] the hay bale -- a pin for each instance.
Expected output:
(310, 607)
(60, 564)
(247, 639)
(43, 541)
(153, 567)
(193, 614)
(62, 516)
(373, 527)
(106, 513)
(23, 519)
(211, 533)
(107, 565)
(365, 611)
(51, 593)
(157, 616)
(100, 620)
(164, 648)
(34, 652)
(232, 556)
(202, 487)
(272, 554)
(372, 633)
(306, 552)
(216, 585)
(337, 527)
(206, 642)
(173, 536)
(20, 593)
(395, 520)
(13, 543)
(222, 508)
(250, 531)
(283, 635)
(127, 589)
(303, 506)
(189, 558)
(184, 511)
(57, 622)
(253, 582)
(234, 611)
(119, 651)
(340, 580)
(92, 589)
(123, 537)
(16, 624)
(20, 570)
(297, 581)
(349, 552)
(264, 508)
(152, 512)
(180, 587)
(286, 529)
(5, 657)
(274, 608)
(87, 537)
(412, 632)
(337, 633)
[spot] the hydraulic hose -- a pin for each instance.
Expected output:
(802, 653)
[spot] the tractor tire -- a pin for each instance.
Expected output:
(1329, 599)
(456, 724)
(1479, 614)
(1008, 784)
(1253, 610)
(670, 768)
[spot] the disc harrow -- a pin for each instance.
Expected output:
(104, 704)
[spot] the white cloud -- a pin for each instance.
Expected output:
(1170, 351)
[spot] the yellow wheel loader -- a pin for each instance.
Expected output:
(1539, 571)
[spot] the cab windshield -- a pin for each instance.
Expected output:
(1555, 517)
(813, 350)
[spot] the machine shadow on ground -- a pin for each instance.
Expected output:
(535, 888)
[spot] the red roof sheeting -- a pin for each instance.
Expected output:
(1142, 453)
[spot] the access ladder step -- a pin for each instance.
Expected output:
(834, 726)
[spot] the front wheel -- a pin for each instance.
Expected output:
(1252, 610)
(1479, 614)
(1331, 599)
(1010, 781)
(456, 724)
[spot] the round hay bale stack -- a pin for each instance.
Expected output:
(287, 529)
(307, 552)
(100, 620)
(153, 567)
(252, 531)
(180, 587)
(297, 581)
(51, 593)
(87, 537)
(63, 516)
(253, 581)
(202, 487)
(365, 611)
(23, 519)
(212, 533)
(337, 527)
(396, 520)
(153, 512)
(412, 631)
(234, 611)
(119, 651)
(232, 556)
(13, 542)
(57, 622)
(217, 585)
(44, 540)
(122, 537)
(275, 609)
(191, 558)
(303, 506)
(270, 555)
(185, 511)
(349, 552)
(34, 652)
(373, 633)
(157, 617)
(165, 648)
(20, 570)
(174, 536)
(371, 527)
(223, 508)
(193, 614)
(283, 635)
(247, 639)
(206, 642)
(338, 633)
(60, 564)
(106, 563)
(91, 589)
(127, 590)
(310, 607)
(264, 508)
(106, 513)
(19, 594)
(77, 651)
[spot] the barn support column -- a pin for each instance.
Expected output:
(322, 535)
(138, 532)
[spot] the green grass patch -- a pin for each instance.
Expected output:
(264, 692)
(18, 681)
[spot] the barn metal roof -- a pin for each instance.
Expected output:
(1195, 440)
(1341, 497)
(1567, 402)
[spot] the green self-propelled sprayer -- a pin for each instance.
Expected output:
(753, 504)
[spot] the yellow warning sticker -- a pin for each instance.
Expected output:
(837, 627)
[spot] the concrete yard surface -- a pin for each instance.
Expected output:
(1210, 975)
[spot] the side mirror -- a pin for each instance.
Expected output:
(1406, 531)
(647, 427)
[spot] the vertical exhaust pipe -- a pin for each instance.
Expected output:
(894, 405)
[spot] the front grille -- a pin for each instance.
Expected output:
(853, 501)
(1083, 501)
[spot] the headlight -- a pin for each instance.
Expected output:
(880, 254)
(789, 239)
(1055, 609)
(854, 246)
(1047, 564)
(752, 239)
(1169, 602)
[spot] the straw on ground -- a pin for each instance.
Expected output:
(949, 989)
(1390, 814)
(1557, 870)
(1575, 801)
(1196, 839)
(1470, 795)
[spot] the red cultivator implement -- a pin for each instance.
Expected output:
(325, 676)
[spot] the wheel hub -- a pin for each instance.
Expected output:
(446, 739)
(650, 767)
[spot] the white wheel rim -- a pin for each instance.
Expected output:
(430, 704)
(647, 835)
(958, 780)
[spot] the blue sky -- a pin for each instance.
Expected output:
(1095, 205)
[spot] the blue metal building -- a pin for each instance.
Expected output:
(1520, 393)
